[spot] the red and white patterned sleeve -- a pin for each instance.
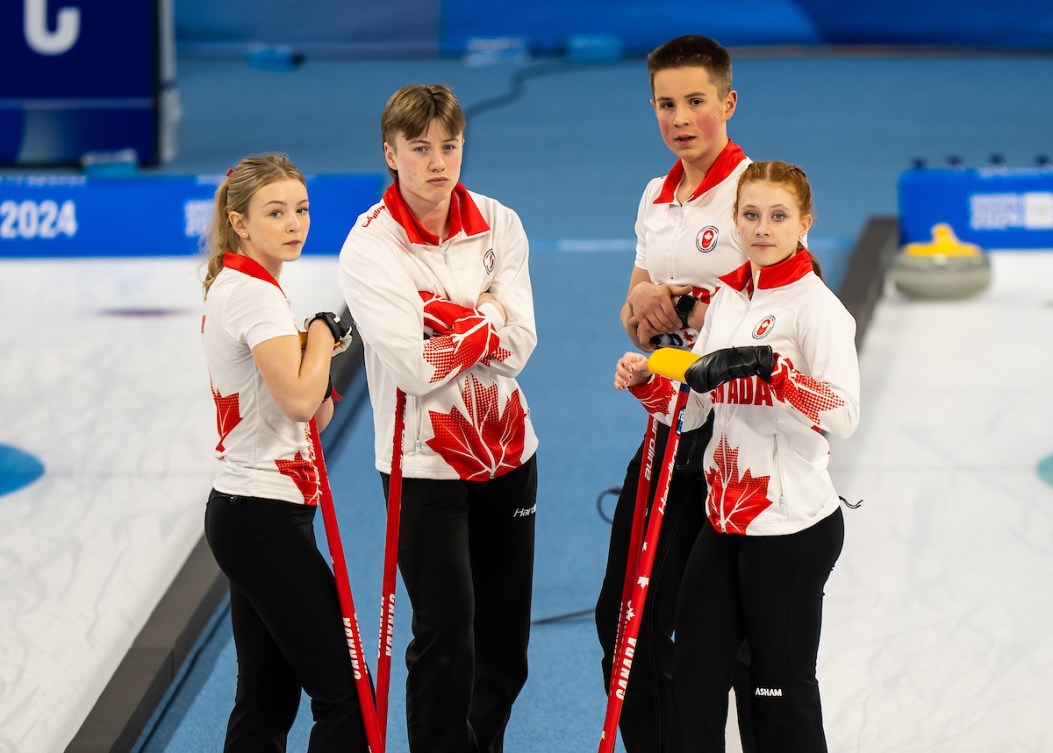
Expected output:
(825, 393)
(463, 337)
(658, 397)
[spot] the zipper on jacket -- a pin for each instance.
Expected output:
(776, 465)
(679, 232)
(724, 435)
(450, 274)
(418, 411)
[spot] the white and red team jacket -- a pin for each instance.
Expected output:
(412, 296)
(261, 451)
(766, 466)
(696, 242)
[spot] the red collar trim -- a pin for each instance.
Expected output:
(725, 163)
(464, 216)
(250, 267)
(787, 271)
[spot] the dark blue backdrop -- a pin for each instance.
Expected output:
(77, 79)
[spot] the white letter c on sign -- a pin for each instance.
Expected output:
(46, 42)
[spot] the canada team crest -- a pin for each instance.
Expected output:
(764, 327)
(706, 240)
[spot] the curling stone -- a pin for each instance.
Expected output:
(944, 269)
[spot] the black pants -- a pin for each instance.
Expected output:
(288, 630)
(466, 554)
(770, 589)
(648, 706)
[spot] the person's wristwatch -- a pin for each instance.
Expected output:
(684, 306)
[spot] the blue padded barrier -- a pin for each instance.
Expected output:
(995, 207)
(150, 215)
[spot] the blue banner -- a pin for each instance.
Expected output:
(78, 78)
(80, 216)
(993, 207)
(449, 27)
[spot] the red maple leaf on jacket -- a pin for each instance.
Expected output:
(228, 414)
(440, 313)
(656, 396)
(734, 500)
(464, 337)
(486, 442)
(805, 393)
(303, 473)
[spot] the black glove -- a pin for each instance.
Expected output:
(712, 370)
(341, 330)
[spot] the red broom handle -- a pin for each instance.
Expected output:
(623, 657)
(391, 551)
(643, 490)
(347, 604)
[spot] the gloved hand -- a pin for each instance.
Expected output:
(342, 331)
(714, 369)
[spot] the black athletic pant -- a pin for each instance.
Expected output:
(466, 554)
(287, 625)
(770, 589)
(648, 705)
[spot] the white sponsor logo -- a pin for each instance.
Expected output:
(768, 692)
(389, 623)
(197, 214)
(622, 670)
(349, 634)
(1038, 210)
(524, 512)
(1001, 211)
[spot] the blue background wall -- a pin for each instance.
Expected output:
(401, 27)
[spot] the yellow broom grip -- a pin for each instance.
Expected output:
(670, 362)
